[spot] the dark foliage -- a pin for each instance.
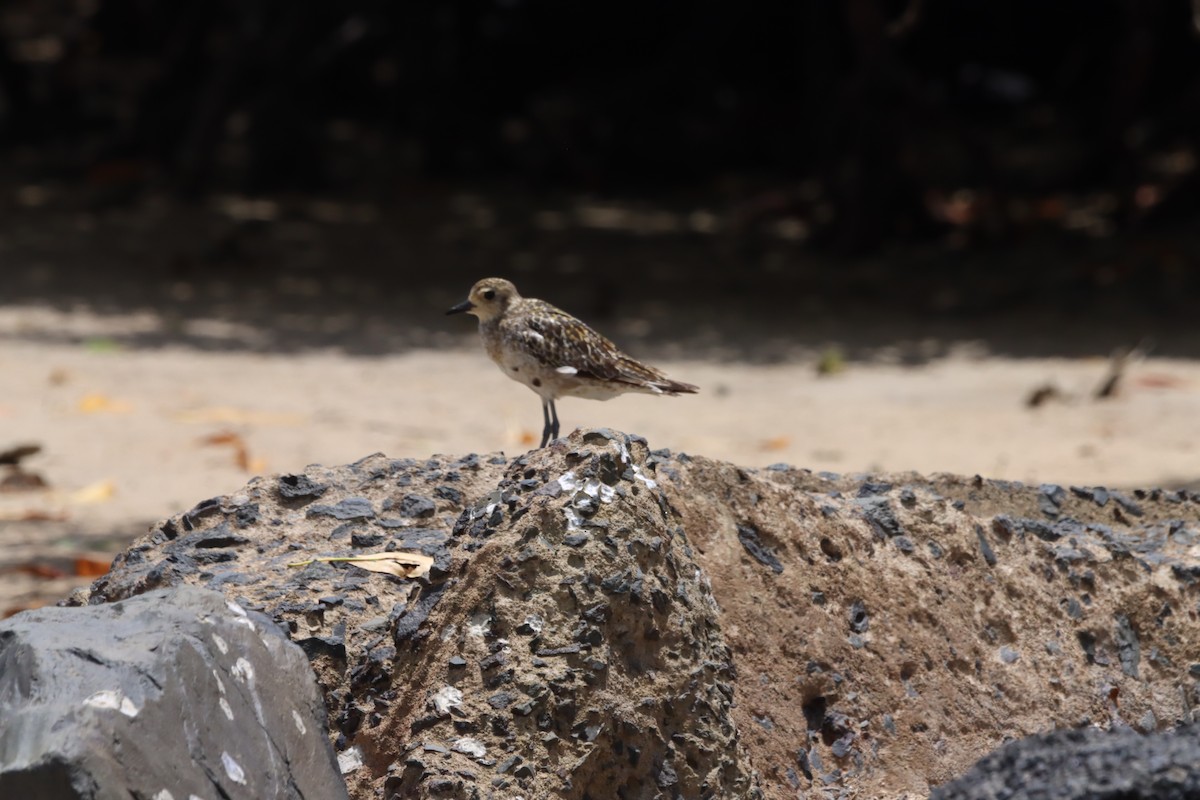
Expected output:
(873, 115)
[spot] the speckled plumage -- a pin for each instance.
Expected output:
(555, 354)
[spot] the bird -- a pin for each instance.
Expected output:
(555, 354)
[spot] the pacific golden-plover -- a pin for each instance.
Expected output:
(555, 354)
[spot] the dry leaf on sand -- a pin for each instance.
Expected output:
(241, 453)
(97, 403)
(91, 567)
(98, 492)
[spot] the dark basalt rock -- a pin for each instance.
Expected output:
(1085, 765)
(750, 539)
(879, 514)
(291, 487)
(176, 691)
(985, 547)
(350, 508)
(1050, 499)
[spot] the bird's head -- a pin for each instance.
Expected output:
(488, 299)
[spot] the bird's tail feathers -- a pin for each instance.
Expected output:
(669, 386)
(658, 383)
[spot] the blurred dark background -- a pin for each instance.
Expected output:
(769, 168)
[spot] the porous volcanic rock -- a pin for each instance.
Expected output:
(889, 630)
(177, 693)
(564, 644)
(886, 631)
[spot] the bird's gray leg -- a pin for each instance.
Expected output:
(547, 428)
(554, 417)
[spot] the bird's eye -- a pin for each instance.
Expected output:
(490, 294)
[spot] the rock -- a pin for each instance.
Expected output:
(1050, 499)
(1129, 649)
(879, 513)
(292, 487)
(985, 548)
(415, 506)
(630, 611)
(173, 693)
(1127, 504)
(750, 540)
(349, 508)
(955, 643)
(628, 614)
(1085, 764)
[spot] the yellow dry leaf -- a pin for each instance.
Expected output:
(241, 454)
(99, 492)
(224, 437)
(97, 403)
(399, 564)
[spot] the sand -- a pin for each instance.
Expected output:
(129, 436)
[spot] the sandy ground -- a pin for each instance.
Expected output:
(130, 436)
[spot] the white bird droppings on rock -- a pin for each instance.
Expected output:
(638, 473)
(641, 476)
(592, 487)
(299, 720)
(233, 769)
(479, 625)
(574, 521)
(221, 644)
(447, 698)
(113, 700)
(469, 746)
(349, 760)
(569, 482)
(602, 492)
(243, 670)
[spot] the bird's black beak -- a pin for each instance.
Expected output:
(465, 305)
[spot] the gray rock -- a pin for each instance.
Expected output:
(752, 541)
(175, 691)
(1087, 763)
(349, 508)
(1129, 649)
(1050, 499)
(985, 548)
(879, 514)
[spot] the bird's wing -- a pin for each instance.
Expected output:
(563, 343)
